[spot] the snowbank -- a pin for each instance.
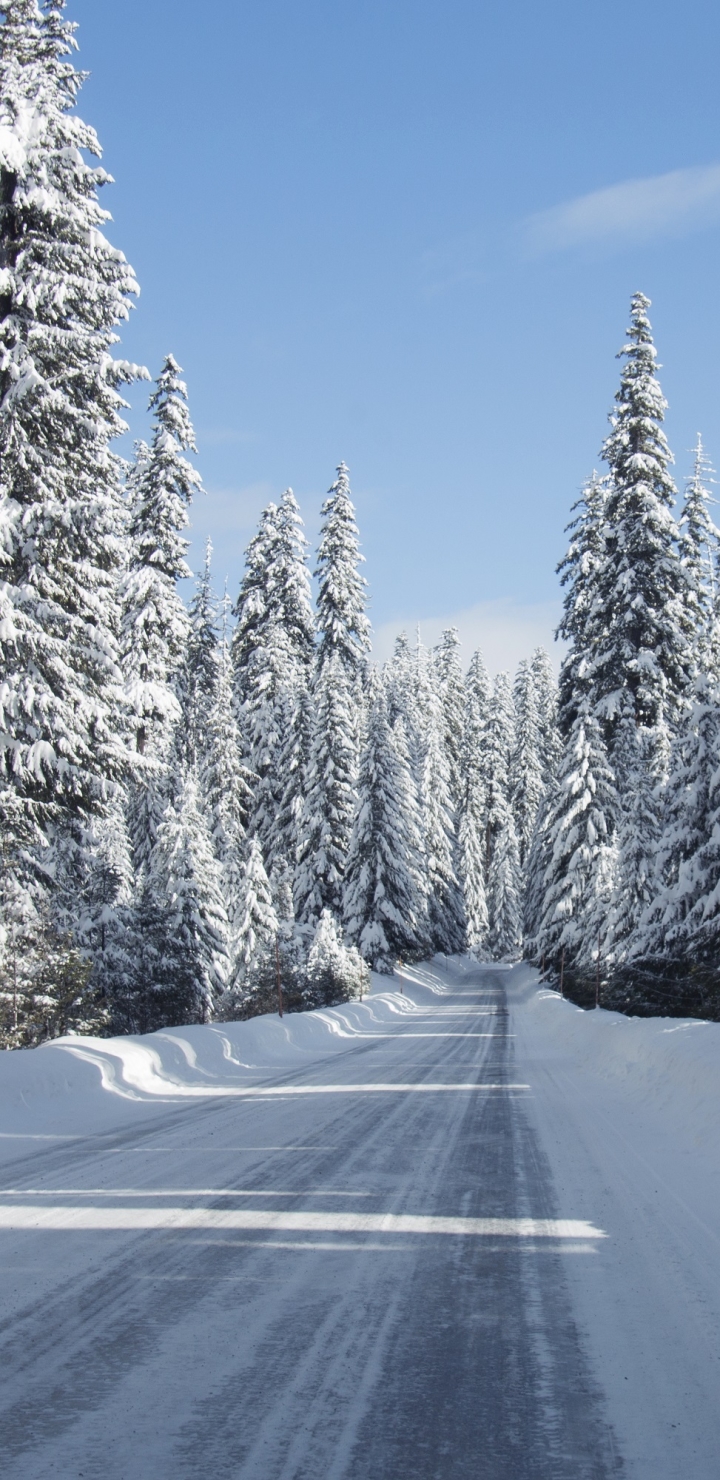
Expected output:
(669, 1065)
(81, 1086)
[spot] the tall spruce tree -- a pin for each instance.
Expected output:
(452, 696)
(63, 291)
(272, 649)
(582, 815)
(383, 904)
(198, 676)
(582, 622)
(505, 894)
(342, 624)
(526, 765)
(700, 549)
(445, 911)
(498, 749)
(644, 661)
(184, 880)
(331, 795)
(155, 622)
(473, 805)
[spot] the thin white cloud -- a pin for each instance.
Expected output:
(505, 631)
(635, 210)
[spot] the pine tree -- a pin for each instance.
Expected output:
(274, 592)
(342, 624)
(579, 821)
(252, 984)
(505, 894)
(446, 917)
(198, 676)
(383, 904)
(526, 766)
(184, 879)
(700, 549)
(63, 291)
(582, 623)
(225, 783)
(272, 649)
(452, 697)
(331, 796)
(681, 856)
(473, 806)
(644, 662)
(638, 831)
(547, 699)
(498, 749)
(334, 973)
(155, 623)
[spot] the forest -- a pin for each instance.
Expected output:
(201, 802)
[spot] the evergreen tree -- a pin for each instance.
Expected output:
(473, 806)
(342, 624)
(452, 697)
(579, 821)
(526, 767)
(644, 662)
(226, 784)
(700, 548)
(446, 917)
(334, 973)
(638, 830)
(547, 699)
(498, 749)
(252, 985)
(383, 905)
(505, 894)
(331, 796)
(582, 623)
(185, 880)
(681, 855)
(274, 593)
(198, 677)
(63, 291)
(272, 650)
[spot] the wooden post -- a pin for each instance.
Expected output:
(597, 975)
(277, 976)
(562, 971)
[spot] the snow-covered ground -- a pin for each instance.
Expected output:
(418, 1236)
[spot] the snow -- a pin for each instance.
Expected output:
(79, 1085)
(627, 1118)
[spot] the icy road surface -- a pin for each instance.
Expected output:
(427, 1256)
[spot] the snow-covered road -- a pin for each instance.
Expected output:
(434, 1252)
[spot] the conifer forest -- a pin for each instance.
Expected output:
(201, 801)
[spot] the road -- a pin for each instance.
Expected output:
(361, 1276)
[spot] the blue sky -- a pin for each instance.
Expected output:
(405, 233)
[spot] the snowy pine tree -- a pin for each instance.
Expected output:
(155, 623)
(446, 915)
(342, 624)
(526, 765)
(473, 805)
(331, 795)
(198, 676)
(644, 661)
(184, 880)
(581, 626)
(505, 894)
(578, 823)
(452, 697)
(272, 649)
(63, 291)
(383, 904)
